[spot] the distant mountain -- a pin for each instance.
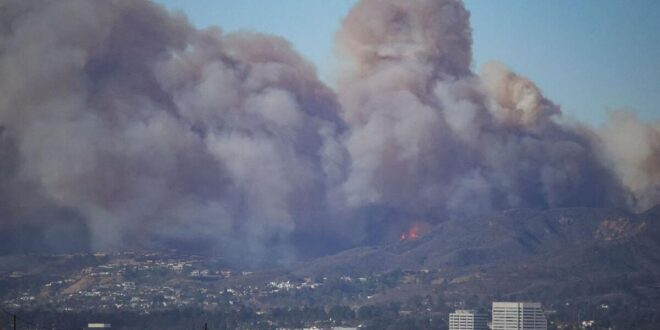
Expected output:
(501, 237)
(548, 255)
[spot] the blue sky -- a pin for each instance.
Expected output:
(588, 56)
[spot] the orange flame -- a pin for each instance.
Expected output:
(412, 233)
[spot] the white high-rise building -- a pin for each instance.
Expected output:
(468, 320)
(518, 316)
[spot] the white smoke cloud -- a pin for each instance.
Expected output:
(151, 130)
(121, 123)
(429, 136)
(633, 150)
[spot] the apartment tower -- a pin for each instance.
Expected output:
(518, 316)
(468, 320)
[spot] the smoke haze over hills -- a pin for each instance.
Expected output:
(121, 126)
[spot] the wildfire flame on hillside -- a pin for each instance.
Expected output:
(412, 233)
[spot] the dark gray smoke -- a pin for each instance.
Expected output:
(123, 126)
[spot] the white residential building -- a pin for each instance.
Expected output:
(468, 320)
(518, 316)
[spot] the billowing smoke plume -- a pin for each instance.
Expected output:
(633, 148)
(153, 131)
(430, 137)
(123, 126)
